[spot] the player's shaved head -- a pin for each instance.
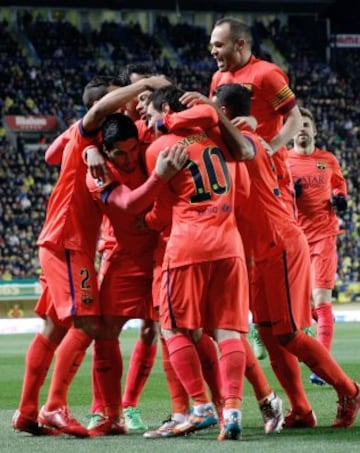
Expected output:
(95, 89)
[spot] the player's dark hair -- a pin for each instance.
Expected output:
(122, 78)
(307, 113)
(118, 127)
(238, 29)
(169, 94)
(95, 89)
(235, 97)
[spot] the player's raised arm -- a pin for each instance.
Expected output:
(291, 126)
(117, 98)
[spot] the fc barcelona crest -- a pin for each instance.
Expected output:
(321, 165)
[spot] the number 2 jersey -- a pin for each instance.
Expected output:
(203, 222)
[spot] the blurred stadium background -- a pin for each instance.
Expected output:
(50, 49)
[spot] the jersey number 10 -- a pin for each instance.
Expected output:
(207, 176)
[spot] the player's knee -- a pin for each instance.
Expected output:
(149, 332)
(91, 325)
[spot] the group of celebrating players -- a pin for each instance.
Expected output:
(201, 215)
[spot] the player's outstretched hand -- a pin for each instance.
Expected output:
(170, 161)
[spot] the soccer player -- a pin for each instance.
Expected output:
(273, 102)
(192, 295)
(321, 193)
(67, 245)
(144, 352)
(205, 345)
(42, 348)
(281, 255)
(269, 403)
(126, 272)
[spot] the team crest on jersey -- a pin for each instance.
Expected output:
(87, 298)
(321, 165)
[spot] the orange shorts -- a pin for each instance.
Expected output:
(72, 283)
(156, 285)
(281, 289)
(44, 306)
(324, 261)
(125, 295)
(105, 255)
(212, 295)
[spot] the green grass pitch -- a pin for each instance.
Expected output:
(155, 407)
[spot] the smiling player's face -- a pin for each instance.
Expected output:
(224, 49)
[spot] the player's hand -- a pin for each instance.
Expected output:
(339, 203)
(157, 81)
(191, 98)
(170, 161)
(241, 121)
(96, 163)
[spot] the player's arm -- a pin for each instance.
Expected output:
(118, 98)
(112, 193)
(239, 147)
(292, 124)
(160, 215)
(338, 182)
(54, 153)
(203, 116)
(207, 119)
(338, 188)
(275, 89)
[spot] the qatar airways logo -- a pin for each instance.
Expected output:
(312, 181)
